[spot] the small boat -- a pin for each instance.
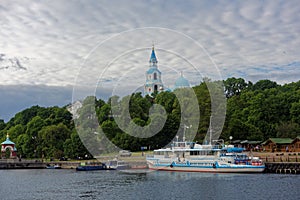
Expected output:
(53, 166)
(117, 164)
(92, 167)
(191, 157)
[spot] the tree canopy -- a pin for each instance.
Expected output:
(255, 111)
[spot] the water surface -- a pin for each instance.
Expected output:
(69, 184)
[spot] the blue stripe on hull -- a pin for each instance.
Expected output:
(222, 169)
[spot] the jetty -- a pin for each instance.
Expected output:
(24, 164)
(281, 162)
(283, 167)
(41, 164)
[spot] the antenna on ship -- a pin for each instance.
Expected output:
(184, 129)
(210, 130)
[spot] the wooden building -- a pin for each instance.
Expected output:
(277, 144)
(295, 146)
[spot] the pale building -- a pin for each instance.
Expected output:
(153, 76)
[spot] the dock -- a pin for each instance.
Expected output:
(16, 164)
(39, 164)
(36, 164)
(281, 162)
(283, 167)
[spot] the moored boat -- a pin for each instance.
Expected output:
(53, 166)
(92, 167)
(117, 164)
(191, 157)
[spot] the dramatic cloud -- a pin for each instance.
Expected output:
(49, 42)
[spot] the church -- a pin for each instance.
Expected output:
(154, 78)
(8, 148)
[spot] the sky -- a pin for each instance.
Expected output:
(53, 52)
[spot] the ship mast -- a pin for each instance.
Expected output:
(210, 130)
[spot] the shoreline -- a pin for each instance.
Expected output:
(277, 162)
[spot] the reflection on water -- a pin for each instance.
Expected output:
(69, 184)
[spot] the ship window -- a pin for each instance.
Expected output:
(166, 154)
(194, 153)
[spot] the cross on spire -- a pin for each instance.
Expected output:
(153, 56)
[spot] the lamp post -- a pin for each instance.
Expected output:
(230, 138)
(184, 129)
(35, 146)
(210, 130)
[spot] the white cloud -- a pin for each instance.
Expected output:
(58, 34)
(242, 37)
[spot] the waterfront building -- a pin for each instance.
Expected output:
(296, 144)
(277, 144)
(8, 148)
(73, 108)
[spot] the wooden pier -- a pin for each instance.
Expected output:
(280, 162)
(283, 167)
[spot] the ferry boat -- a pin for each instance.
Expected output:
(192, 157)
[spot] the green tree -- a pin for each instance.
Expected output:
(16, 130)
(74, 148)
(25, 149)
(234, 86)
(287, 130)
(2, 124)
(295, 112)
(264, 84)
(51, 140)
(25, 116)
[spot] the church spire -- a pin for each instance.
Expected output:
(153, 56)
(153, 76)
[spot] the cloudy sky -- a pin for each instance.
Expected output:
(50, 50)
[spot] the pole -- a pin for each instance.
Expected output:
(184, 128)
(210, 130)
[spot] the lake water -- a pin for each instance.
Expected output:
(69, 184)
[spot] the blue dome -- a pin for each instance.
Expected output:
(182, 82)
(7, 141)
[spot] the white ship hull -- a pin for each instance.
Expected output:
(228, 169)
(189, 157)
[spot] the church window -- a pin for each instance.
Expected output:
(155, 76)
(155, 87)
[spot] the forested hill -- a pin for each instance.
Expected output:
(44, 132)
(254, 112)
(261, 110)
